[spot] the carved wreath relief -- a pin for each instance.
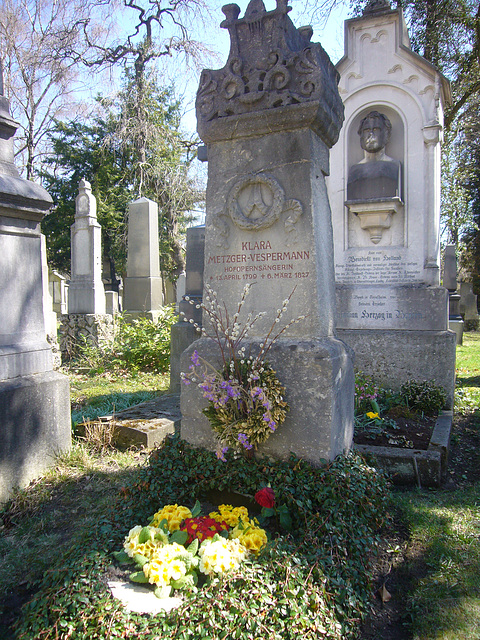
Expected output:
(256, 202)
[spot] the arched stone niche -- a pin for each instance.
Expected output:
(380, 222)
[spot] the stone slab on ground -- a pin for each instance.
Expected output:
(138, 599)
(145, 424)
(425, 468)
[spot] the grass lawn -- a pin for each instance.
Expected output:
(56, 537)
(435, 576)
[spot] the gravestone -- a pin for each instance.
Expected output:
(49, 315)
(384, 191)
(57, 284)
(468, 306)
(87, 318)
(143, 285)
(268, 119)
(183, 333)
(86, 293)
(111, 303)
(34, 399)
(455, 320)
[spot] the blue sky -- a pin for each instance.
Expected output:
(330, 36)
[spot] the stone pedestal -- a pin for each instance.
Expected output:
(76, 329)
(391, 308)
(268, 222)
(143, 284)
(34, 399)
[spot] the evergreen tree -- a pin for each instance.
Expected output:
(107, 154)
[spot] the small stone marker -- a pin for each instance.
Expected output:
(184, 333)
(138, 599)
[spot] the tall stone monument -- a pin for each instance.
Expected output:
(87, 317)
(143, 285)
(86, 293)
(34, 399)
(268, 119)
(385, 195)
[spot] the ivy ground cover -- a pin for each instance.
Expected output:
(313, 582)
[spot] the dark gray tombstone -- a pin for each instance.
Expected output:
(183, 332)
(34, 399)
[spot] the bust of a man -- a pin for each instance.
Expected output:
(377, 175)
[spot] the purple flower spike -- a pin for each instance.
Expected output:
(221, 454)
(194, 357)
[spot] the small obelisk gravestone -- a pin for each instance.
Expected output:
(268, 119)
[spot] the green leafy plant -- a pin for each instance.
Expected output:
(139, 344)
(314, 582)
(144, 345)
(423, 397)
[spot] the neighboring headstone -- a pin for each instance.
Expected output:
(468, 306)
(58, 288)
(34, 400)
(143, 285)
(49, 315)
(183, 333)
(181, 284)
(455, 320)
(384, 192)
(268, 119)
(111, 302)
(87, 319)
(450, 267)
(86, 293)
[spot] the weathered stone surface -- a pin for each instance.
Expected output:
(318, 378)
(392, 307)
(271, 65)
(268, 118)
(97, 330)
(143, 284)
(394, 357)
(34, 400)
(35, 426)
(183, 333)
(86, 293)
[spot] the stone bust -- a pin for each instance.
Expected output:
(377, 175)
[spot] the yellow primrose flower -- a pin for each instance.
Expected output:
(252, 538)
(372, 415)
(173, 514)
(220, 556)
(230, 515)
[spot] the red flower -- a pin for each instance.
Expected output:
(265, 497)
(202, 527)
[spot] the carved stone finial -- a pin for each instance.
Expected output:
(254, 9)
(271, 64)
(231, 12)
(377, 6)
